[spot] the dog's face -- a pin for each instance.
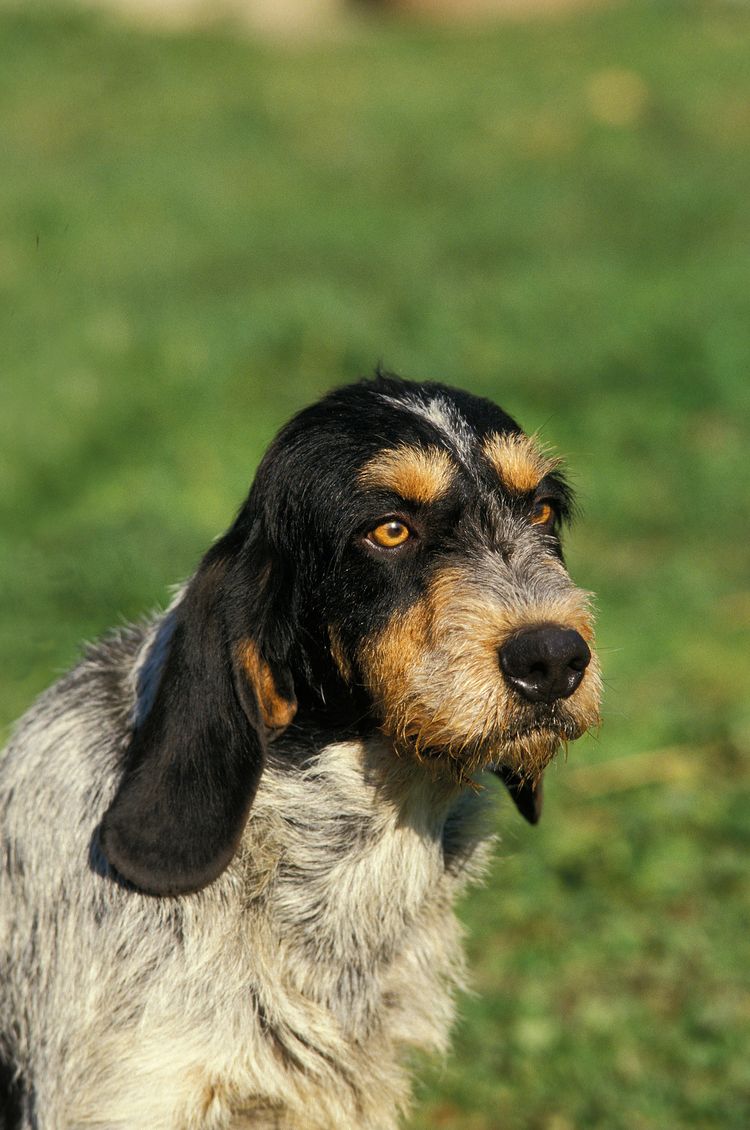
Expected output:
(429, 525)
(400, 548)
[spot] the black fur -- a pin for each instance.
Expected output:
(11, 1095)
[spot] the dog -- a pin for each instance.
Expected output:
(231, 837)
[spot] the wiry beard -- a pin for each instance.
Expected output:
(526, 747)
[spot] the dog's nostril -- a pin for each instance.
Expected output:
(545, 664)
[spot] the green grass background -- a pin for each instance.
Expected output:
(199, 234)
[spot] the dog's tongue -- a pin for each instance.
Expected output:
(526, 795)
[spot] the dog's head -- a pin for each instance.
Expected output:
(397, 564)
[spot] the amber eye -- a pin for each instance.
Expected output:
(542, 514)
(389, 534)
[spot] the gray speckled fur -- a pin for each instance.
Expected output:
(287, 993)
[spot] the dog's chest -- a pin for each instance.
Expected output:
(346, 939)
(331, 934)
(367, 870)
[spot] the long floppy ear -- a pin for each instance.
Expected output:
(194, 762)
(526, 795)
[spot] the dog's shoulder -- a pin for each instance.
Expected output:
(62, 763)
(85, 713)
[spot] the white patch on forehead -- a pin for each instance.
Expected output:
(444, 416)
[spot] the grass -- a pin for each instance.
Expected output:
(199, 234)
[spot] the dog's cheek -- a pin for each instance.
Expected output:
(387, 657)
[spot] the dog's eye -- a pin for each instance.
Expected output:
(543, 513)
(389, 534)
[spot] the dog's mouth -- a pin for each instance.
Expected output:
(524, 747)
(527, 750)
(549, 721)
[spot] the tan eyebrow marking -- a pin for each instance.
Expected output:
(421, 474)
(520, 460)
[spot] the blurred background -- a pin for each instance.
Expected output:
(210, 215)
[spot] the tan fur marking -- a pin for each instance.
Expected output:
(421, 474)
(276, 712)
(520, 461)
(338, 654)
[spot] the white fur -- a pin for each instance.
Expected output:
(443, 416)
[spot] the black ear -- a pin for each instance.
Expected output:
(194, 762)
(526, 795)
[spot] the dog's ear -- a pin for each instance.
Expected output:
(526, 795)
(195, 760)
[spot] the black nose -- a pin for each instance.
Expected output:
(544, 664)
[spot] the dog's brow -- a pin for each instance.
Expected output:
(443, 416)
(519, 460)
(419, 474)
